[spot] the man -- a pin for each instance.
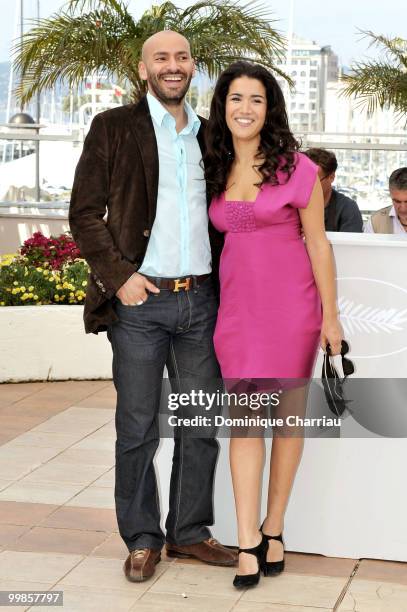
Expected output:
(151, 288)
(392, 219)
(342, 214)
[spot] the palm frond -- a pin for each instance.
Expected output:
(73, 44)
(377, 85)
(69, 48)
(392, 48)
(383, 82)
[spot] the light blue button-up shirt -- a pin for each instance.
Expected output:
(179, 241)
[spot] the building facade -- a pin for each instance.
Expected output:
(311, 67)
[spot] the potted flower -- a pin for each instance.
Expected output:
(47, 342)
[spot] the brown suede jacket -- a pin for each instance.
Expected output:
(117, 173)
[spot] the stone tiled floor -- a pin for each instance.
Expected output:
(58, 529)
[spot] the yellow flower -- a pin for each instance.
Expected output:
(7, 259)
(31, 288)
(45, 272)
(15, 291)
(30, 295)
(84, 283)
(35, 297)
(71, 295)
(59, 286)
(8, 255)
(80, 298)
(2, 303)
(65, 285)
(15, 283)
(56, 297)
(22, 288)
(39, 269)
(26, 273)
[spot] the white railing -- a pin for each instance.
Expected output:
(365, 161)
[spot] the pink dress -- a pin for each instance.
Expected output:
(269, 317)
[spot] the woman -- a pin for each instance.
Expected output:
(278, 299)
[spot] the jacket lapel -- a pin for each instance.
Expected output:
(143, 130)
(201, 135)
(201, 141)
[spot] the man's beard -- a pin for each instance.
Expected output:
(169, 100)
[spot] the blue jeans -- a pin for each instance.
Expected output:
(176, 330)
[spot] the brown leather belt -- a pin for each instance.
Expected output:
(184, 283)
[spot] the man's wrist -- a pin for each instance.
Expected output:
(126, 281)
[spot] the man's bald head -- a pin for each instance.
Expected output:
(161, 40)
(167, 66)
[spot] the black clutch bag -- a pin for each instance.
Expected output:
(333, 383)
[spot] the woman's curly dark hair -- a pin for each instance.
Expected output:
(277, 143)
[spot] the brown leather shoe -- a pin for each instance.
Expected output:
(140, 564)
(209, 551)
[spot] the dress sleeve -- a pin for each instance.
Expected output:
(302, 180)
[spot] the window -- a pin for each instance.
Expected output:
(303, 73)
(293, 73)
(313, 73)
(303, 62)
(313, 95)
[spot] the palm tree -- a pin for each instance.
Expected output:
(72, 44)
(381, 83)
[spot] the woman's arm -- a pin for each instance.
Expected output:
(323, 266)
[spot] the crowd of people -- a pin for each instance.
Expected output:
(342, 214)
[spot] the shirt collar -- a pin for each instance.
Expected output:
(392, 212)
(160, 115)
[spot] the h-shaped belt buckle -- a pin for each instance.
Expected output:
(182, 284)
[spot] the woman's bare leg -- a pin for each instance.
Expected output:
(286, 452)
(246, 462)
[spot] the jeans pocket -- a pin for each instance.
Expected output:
(119, 303)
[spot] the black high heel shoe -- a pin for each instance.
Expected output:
(260, 552)
(273, 568)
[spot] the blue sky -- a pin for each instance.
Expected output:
(326, 22)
